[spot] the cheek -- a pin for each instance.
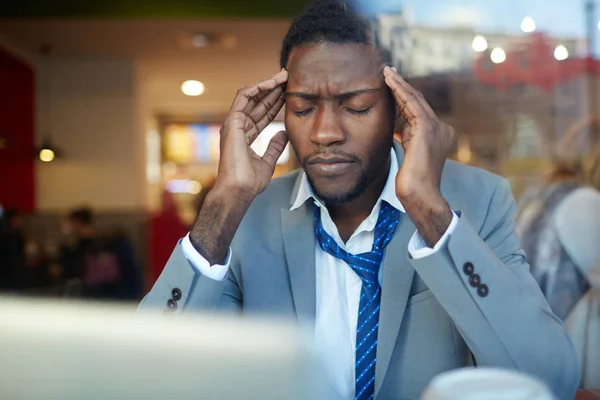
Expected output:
(372, 137)
(370, 129)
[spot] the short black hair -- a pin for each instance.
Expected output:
(82, 214)
(334, 21)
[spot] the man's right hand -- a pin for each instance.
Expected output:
(242, 174)
(241, 170)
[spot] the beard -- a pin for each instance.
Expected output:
(370, 168)
(354, 190)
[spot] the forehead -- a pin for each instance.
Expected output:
(336, 67)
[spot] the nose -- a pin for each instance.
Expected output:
(328, 128)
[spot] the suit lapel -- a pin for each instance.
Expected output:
(396, 284)
(299, 245)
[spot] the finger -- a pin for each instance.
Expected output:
(408, 94)
(264, 106)
(266, 119)
(411, 105)
(408, 114)
(410, 102)
(275, 148)
(246, 96)
(256, 99)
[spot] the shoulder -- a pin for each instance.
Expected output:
(471, 182)
(483, 197)
(575, 210)
(582, 197)
(576, 221)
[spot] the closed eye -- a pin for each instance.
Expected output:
(303, 113)
(358, 112)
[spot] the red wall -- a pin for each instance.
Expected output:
(17, 113)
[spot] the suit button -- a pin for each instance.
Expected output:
(482, 290)
(474, 280)
(172, 304)
(176, 294)
(468, 268)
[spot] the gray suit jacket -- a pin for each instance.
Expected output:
(435, 313)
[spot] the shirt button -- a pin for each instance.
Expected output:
(176, 294)
(474, 280)
(468, 269)
(482, 290)
(171, 304)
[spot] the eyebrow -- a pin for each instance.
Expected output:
(341, 96)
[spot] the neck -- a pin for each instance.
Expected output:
(349, 215)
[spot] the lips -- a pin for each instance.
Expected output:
(329, 160)
(330, 165)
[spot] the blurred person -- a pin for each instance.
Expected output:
(574, 173)
(406, 264)
(13, 273)
(90, 258)
(131, 282)
(583, 325)
(38, 273)
(579, 219)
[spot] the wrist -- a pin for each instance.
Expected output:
(430, 213)
(427, 204)
(220, 215)
(230, 195)
(419, 193)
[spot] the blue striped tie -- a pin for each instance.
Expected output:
(366, 266)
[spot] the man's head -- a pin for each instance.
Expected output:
(14, 220)
(339, 112)
(80, 222)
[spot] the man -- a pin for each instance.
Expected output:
(78, 224)
(388, 250)
(91, 258)
(13, 271)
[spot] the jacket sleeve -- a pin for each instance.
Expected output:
(182, 287)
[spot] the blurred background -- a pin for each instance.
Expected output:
(110, 112)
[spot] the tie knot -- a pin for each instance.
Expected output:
(365, 265)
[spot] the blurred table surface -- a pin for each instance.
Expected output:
(588, 394)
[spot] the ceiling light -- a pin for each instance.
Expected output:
(479, 44)
(46, 155)
(498, 56)
(561, 53)
(47, 152)
(192, 88)
(528, 25)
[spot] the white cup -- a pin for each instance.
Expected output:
(485, 384)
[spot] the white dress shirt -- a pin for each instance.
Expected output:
(338, 287)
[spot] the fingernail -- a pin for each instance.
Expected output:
(394, 69)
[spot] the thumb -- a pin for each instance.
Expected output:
(275, 148)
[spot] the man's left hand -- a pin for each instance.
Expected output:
(427, 142)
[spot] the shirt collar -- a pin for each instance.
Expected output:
(388, 194)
